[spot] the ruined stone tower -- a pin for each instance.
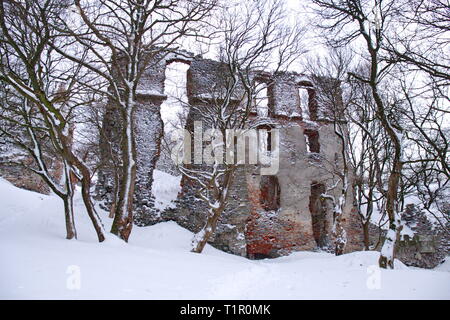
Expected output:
(273, 215)
(267, 215)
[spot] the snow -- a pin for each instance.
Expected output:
(406, 231)
(445, 266)
(39, 263)
(165, 189)
(150, 93)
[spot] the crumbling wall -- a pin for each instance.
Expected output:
(206, 80)
(269, 216)
(265, 216)
(149, 131)
(421, 243)
(15, 167)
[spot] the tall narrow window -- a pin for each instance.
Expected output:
(312, 140)
(318, 210)
(262, 100)
(270, 193)
(304, 102)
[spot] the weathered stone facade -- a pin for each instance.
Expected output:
(421, 243)
(269, 216)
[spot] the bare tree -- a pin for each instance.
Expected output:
(428, 161)
(22, 127)
(254, 38)
(122, 38)
(360, 20)
(35, 71)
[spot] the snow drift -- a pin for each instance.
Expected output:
(39, 263)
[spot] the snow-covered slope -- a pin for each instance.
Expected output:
(38, 263)
(165, 189)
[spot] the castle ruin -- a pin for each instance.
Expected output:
(267, 215)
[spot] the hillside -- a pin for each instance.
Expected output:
(38, 263)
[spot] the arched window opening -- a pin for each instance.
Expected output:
(261, 101)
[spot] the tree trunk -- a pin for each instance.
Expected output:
(340, 242)
(338, 230)
(366, 235)
(123, 217)
(70, 222)
(67, 153)
(369, 211)
(115, 196)
(201, 238)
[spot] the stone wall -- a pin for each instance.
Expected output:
(253, 225)
(15, 164)
(421, 244)
(149, 130)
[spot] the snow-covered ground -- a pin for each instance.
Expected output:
(38, 263)
(165, 189)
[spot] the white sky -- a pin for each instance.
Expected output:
(175, 89)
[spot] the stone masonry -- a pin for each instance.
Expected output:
(269, 216)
